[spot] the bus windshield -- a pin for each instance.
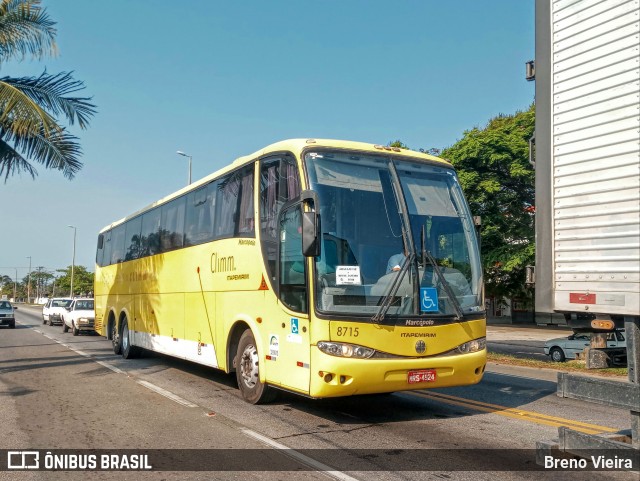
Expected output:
(395, 234)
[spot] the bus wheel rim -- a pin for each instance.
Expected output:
(249, 366)
(125, 338)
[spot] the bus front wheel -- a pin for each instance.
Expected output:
(248, 373)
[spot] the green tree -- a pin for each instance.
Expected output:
(6, 285)
(82, 281)
(30, 106)
(494, 170)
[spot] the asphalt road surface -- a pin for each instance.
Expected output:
(59, 391)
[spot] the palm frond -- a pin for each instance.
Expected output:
(49, 91)
(22, 114)
(57, 149)
(11, 162)
(25, 29)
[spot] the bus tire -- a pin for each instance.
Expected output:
(115, 338)
(248, 374)
(129, 351)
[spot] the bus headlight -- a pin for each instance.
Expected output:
(340, 349)
(471, 346)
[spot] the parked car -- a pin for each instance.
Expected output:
(53, 310)
(7, 314)
(563, 348)
(80, 316)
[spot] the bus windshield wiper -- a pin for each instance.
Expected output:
(395, 285)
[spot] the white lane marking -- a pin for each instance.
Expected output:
(328, 470)
(148, 385)
(167, 394)
(109, 366)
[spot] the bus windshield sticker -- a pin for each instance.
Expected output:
(429, 299)
(348, 276)
(274, 346)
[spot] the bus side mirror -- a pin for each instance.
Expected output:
(310, 229)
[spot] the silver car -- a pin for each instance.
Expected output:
(563, 348)
(7, 315)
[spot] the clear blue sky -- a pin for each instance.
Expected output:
(221, 79)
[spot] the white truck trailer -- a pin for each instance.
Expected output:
(587, 161)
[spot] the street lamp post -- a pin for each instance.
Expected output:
(29, 282)
(15, 286)
(179, 152)
(73, 259)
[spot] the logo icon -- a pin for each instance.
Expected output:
(421, 347)
(294, 325)
(23, 459)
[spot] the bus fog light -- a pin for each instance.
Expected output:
(340, 349)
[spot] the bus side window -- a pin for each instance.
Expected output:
(246, 216)
(172, 224)
(106, 249)
(292, 272)
(150, 234)
(100, 249)
(226, 206)
(199, 217)
(132, 239)
(117, 244)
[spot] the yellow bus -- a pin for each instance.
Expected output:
(320, 267)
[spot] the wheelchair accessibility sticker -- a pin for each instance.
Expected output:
(429, 299)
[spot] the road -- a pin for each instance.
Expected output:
(64, 392)
(522, 341)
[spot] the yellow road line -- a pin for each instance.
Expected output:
(515, 413)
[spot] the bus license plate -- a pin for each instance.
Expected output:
(426, 375)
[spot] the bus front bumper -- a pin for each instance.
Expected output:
(338, 376)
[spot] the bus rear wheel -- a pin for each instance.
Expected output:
(129, 351)
(248, 372)
(115, 338)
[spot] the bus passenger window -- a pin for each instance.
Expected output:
(105, 259)
(132, 239)
(150, 235)
(117, 244)
(226, 206)
(201, 206)
(172, 225)
(246, 218)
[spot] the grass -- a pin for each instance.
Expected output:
(569, 366)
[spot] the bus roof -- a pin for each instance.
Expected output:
(293, 145)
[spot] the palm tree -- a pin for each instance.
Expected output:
(29, 106)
